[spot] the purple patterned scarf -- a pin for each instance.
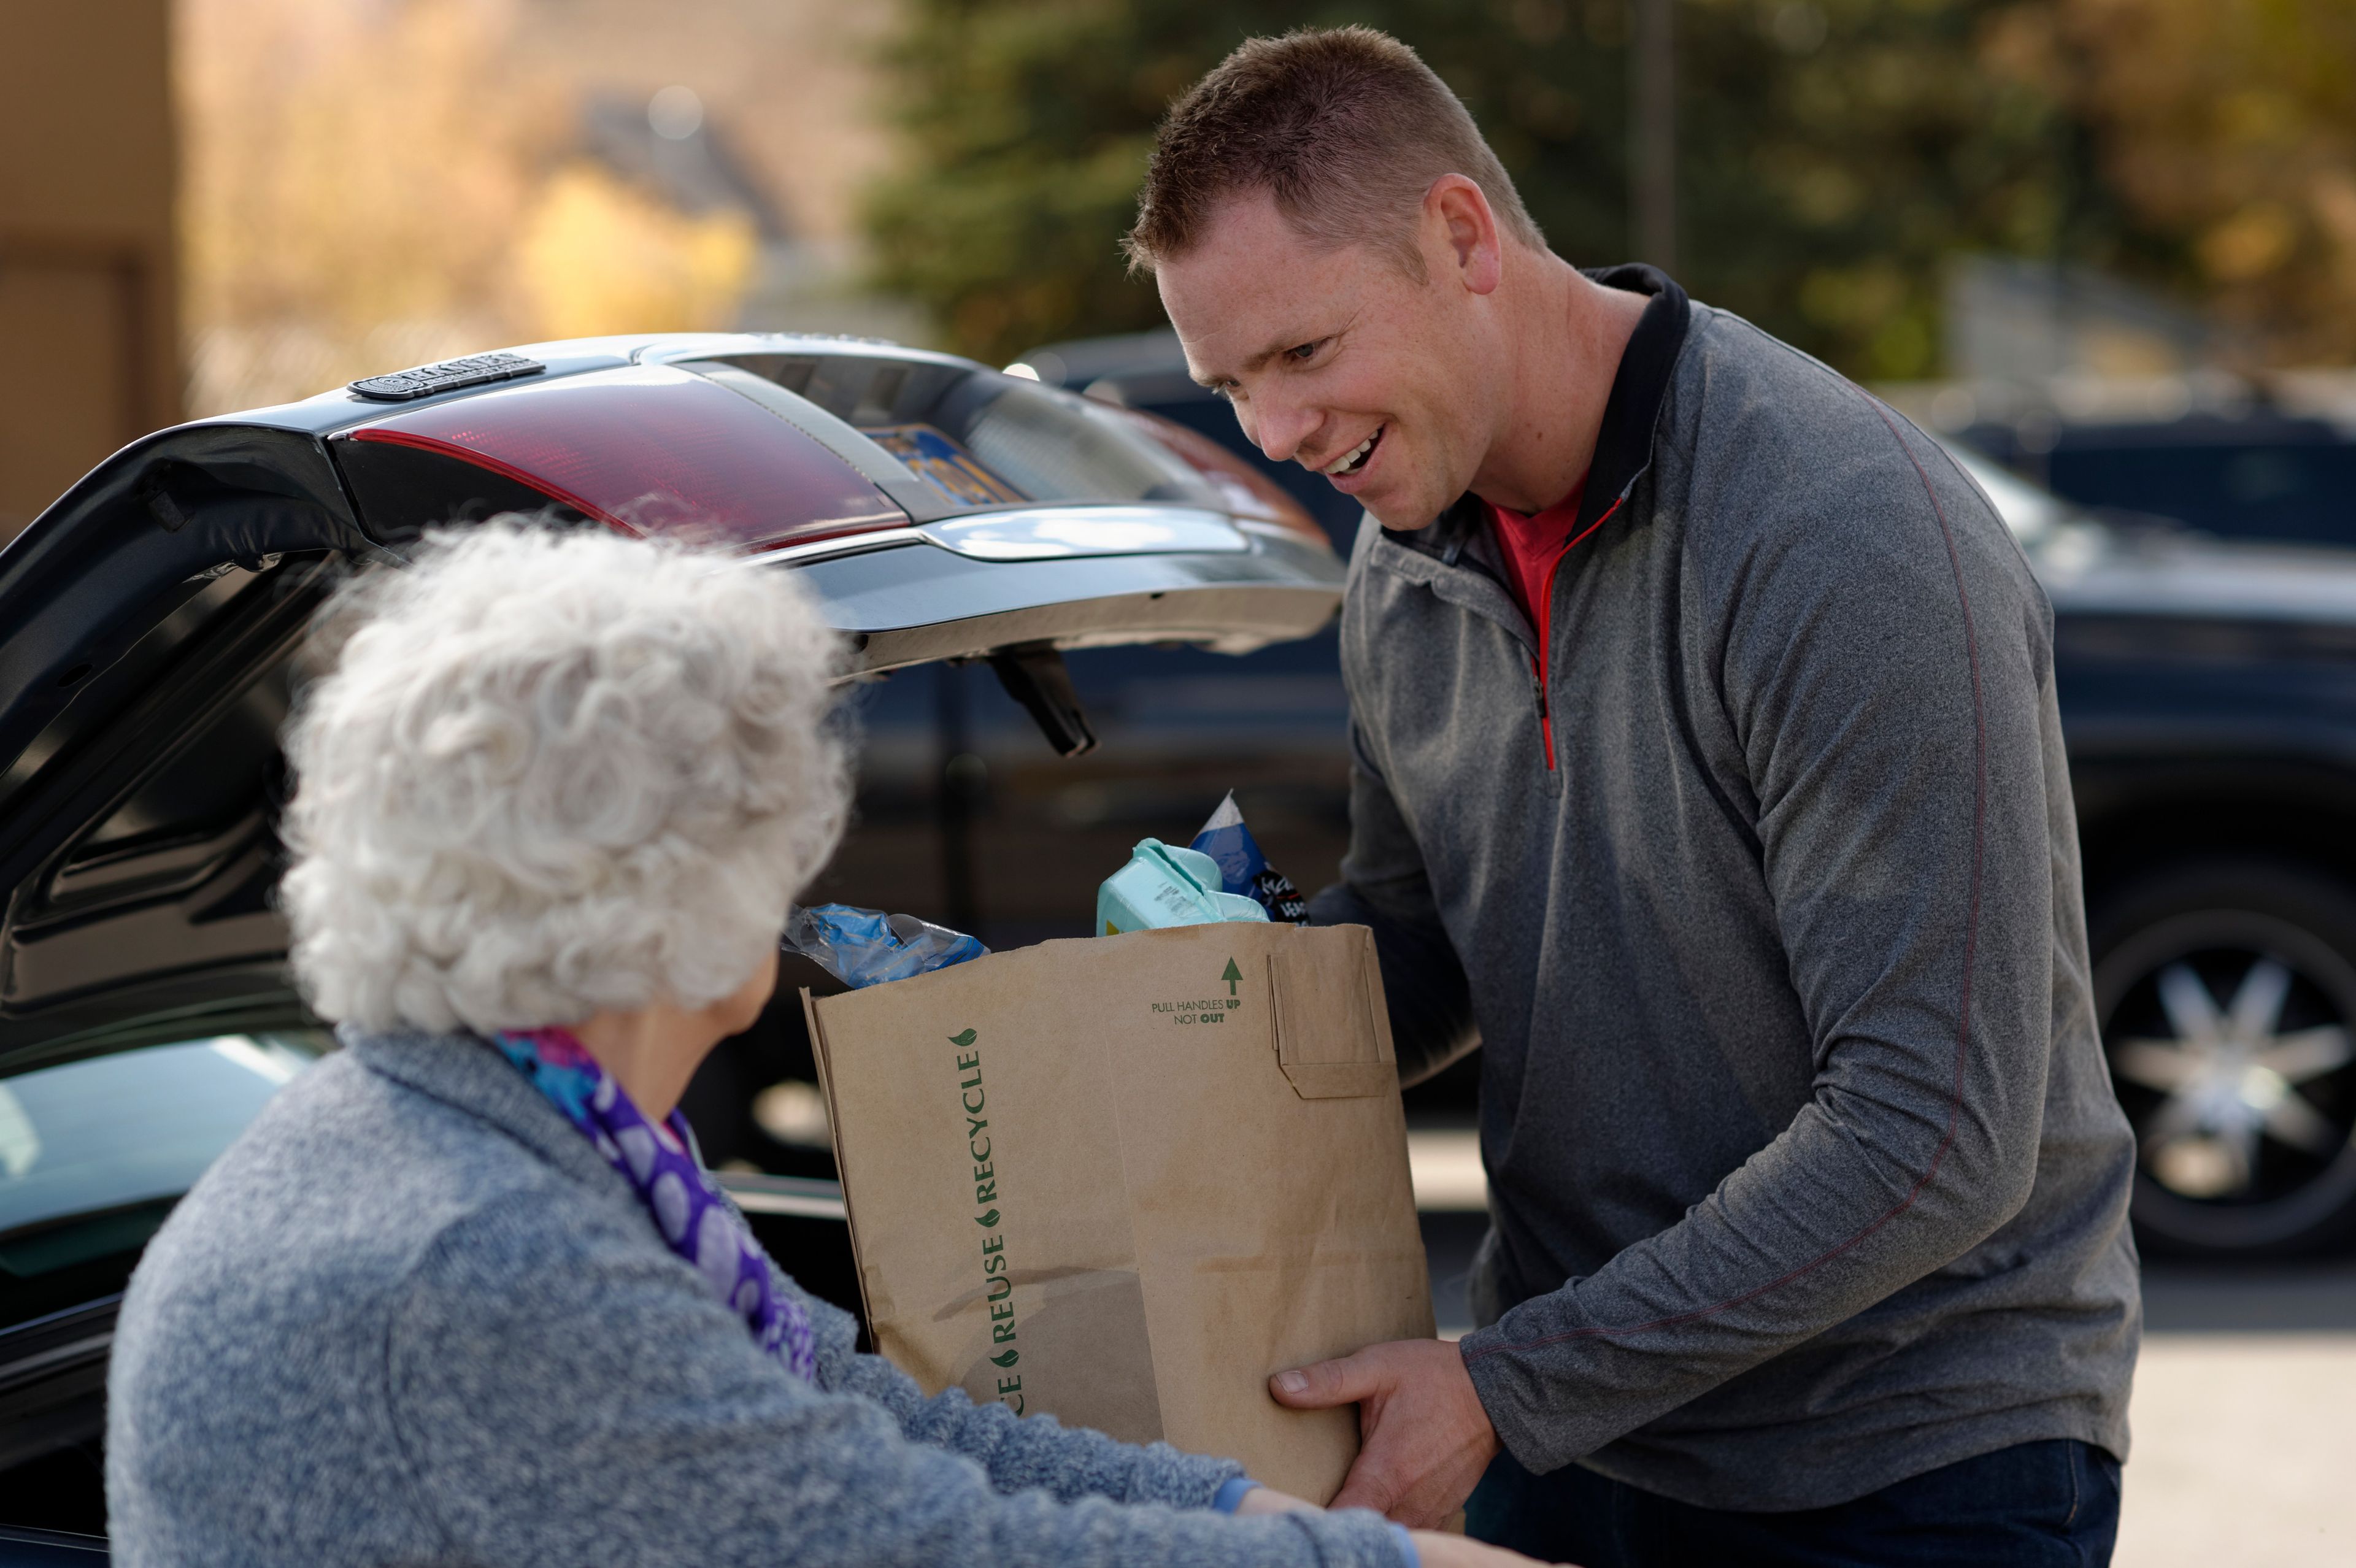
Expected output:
(687, 1208)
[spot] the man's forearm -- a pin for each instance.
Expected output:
(1855, 1201)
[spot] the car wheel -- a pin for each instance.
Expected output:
(2226, 994)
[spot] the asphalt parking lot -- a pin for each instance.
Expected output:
(2245, 1413)
(2244, 1420)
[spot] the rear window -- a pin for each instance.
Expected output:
(1054, 446)
(982, 439)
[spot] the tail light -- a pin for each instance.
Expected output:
(646, 449)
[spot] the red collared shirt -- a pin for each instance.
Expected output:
(1531, 545)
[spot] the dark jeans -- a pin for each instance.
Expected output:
(2053, 1503)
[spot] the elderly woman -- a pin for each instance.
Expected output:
(463, 1294)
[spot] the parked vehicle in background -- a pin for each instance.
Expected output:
(2208, 696)
(2259, 474)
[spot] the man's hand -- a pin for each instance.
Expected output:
(1426, 1440)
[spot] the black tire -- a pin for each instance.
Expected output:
(2243, 1112)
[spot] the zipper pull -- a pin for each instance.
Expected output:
(1546, 720)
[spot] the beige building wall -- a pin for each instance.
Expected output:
(87, 288)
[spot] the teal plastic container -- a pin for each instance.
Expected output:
(1163, 885)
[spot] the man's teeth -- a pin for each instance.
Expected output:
(1350, 459)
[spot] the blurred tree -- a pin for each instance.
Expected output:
(353, 182)
(1835, 152)
(1027, 125)
(378, 183)
(1831, 152)
(2229, 127)
(598, 255)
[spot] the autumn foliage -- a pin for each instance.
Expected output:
(372, 184)
(1833, 156)
(2229, 127)
(372, 187)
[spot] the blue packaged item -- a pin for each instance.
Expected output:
(1244, 870)
(867, 947)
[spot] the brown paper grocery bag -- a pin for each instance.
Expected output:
(1123, 1179)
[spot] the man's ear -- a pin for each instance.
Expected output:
(1455, 213)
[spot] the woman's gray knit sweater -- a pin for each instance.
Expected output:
(413, 1317)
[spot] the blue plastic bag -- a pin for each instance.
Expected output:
(867, 947)
(1244, 870)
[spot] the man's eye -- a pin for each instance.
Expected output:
(1302, 353)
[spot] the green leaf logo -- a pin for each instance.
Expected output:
(1007, 1360)
(986, 1221)
(963, 1040)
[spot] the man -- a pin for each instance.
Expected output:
(1707, 764)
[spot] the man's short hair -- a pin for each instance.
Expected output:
(1347, 128)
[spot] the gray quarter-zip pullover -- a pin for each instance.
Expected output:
(1805, 1173)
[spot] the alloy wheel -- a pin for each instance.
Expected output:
(2229, 1036)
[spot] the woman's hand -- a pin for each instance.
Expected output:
(1267, 1499)
(1434, 1550)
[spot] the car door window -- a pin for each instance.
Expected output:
(93, 1153)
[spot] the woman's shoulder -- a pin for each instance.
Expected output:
(355, 1174)
(273, 1316)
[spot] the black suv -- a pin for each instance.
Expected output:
(2257, 472)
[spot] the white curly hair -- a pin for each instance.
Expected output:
(547, 774)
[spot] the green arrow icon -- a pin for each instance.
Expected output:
(1231, 976)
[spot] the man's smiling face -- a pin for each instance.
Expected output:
(1336, 358)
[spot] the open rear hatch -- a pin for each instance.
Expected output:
(937, 509)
